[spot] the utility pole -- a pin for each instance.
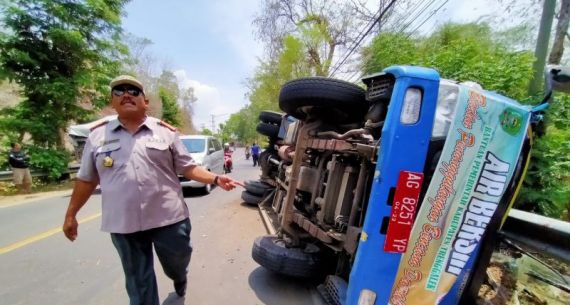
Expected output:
(213, 121)
(542, 43)
(561, 32)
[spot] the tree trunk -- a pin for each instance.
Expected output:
(561, 29)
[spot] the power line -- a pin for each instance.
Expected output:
(416, 16)
(362, 38)
(425, 20)
(417, 5)
(350, 79)
(394, 26)
(365, 31)
(401, 21)
(213, 120)
(336, 66)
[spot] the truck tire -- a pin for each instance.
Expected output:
(257, 187)
(267, 129)
(272, 253)
(270, 117)
(251, 199)
(333, 100)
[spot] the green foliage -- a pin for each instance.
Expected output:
(265, 86)
(547, 186)
(170, 109)
(243, 124)
(463, 52)
(474, 52)
(58, 52)
(52, 161)
(390, 49)
(207, 132)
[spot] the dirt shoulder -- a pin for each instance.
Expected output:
(12, 200)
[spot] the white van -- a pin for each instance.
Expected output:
(207, 151)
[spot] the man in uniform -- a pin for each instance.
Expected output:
(136, 158)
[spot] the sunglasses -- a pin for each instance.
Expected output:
(132, 91)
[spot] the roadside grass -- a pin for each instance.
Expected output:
(38, 186)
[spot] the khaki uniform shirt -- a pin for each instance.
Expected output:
(141, 190)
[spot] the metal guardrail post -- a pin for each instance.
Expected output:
(7, 175)
(547, 235)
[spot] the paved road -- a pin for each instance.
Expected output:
(39, 266)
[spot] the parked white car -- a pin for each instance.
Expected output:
(206, 151)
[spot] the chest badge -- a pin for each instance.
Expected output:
(108, 161)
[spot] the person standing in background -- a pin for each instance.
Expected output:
(20, 168)
(247, 151)
(255, 151)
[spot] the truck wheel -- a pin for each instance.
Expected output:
(271, 117)
(272, 253)
(257, 187)
(251, 199)
(269, 130)
(333, 100)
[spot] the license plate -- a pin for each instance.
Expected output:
(403, 211)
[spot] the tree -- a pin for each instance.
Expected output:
(168, 93)
(475, 52)
(561, 33)
(265, 85)
(323, 26)
(458, 51)
(207, 132)
(187, 100)
(170, 109)
(302, 37)
(143, 64)
(58, 52)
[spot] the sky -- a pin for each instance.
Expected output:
(210, 45)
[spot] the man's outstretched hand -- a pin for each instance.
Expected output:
(228, 183)
(70, 228)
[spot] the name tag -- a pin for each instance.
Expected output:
(108, 142)
(156, 140)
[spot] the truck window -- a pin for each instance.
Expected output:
(445, 110)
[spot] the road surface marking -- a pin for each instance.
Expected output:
(41, 236)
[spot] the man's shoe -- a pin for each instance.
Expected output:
(180, 288)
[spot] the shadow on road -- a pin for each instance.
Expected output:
(274, 289)
(173, 299)
(189, 192)
(248, 206)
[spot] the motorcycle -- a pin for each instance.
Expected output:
(228, 164)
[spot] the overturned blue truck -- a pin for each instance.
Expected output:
(393, 193)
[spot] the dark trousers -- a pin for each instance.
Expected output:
(173, 248)
(255, 160)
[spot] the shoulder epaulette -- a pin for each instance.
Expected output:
(99, 125)
(164, 124)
